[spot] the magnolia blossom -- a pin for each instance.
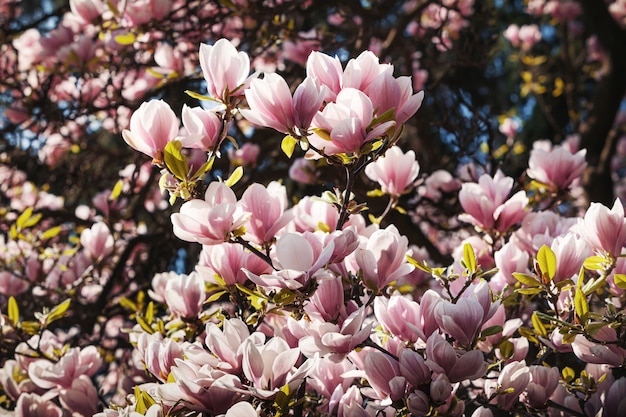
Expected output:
(203, 128)
(266, 206)
(486, 203)
(272, 105)
(558, 168)
(603, 228)
(395, 171)
(383, 259)
(347, 123)
(224, 68)
(212, 220)
(97, 241)
(185, 295)
(152, 126)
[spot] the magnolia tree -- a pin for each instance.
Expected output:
(228, 216)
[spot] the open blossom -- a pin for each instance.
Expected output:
(388, 92)
(383, 259)
(272, 105)
(347, 124)
(266, 206)
(209, 221)
(486, 204)
(203, 128)
(395, 171)
(152, 126)
(603, 228)
(224, 68)
(557, 168)
(185, 295)
(97, 241)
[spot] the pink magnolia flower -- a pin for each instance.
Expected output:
(303, 171)
(529, 35)
(203, 128)
(571, 252)
(81, 398)
(185, 295)
(224, 68)
(327, 70)
(268, 365)
(361, 71)
(201, 388)
(514, 376)
(347, 122)
(300, 256)
(413, 367)
(388, 92)
(209, 221)
(543, 383)
(591, 352)
(97, 241)
(32, 405)
(486, 204)
(152, 126)
(267, 211)
(87, 10)
(462, 320)
(604, 229)
(228, 262)
(399, 316)
(272, 105)
(245, 156)
(558, 168)
(11, 284)
(159, 354)
(328, 339)
(383, 259)
(327, 301)
(457, 366)
(61, 374)
(383, 374)
(395, 171)
(227, 343)
(615, 400)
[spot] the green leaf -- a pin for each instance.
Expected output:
(13, 311)
(288, 145)
(596, 263)
(375, 193)
(581, 305)
(469, 258)
(284, 297)
(594, 284)
(117, 190)
(419, 265)
(491, 330)
(547, 261)
(527, 280)
(539, 326)
(52, 232)
(568, 374)
(23, 218)
(175, 161)
(234, 177)
(529, 291)
(322, 133)
(125, 39)
(199, 96)
(150, 313)
(387, 116)
(620, 280)
(59, 311)
(506, 349)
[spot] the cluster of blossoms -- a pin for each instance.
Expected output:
(302, 306)
(310, 308)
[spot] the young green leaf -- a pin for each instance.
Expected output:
(175, 161)
(234, 177)
(288, 145)
(13, 311)
(547, 261)
(469, 258)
